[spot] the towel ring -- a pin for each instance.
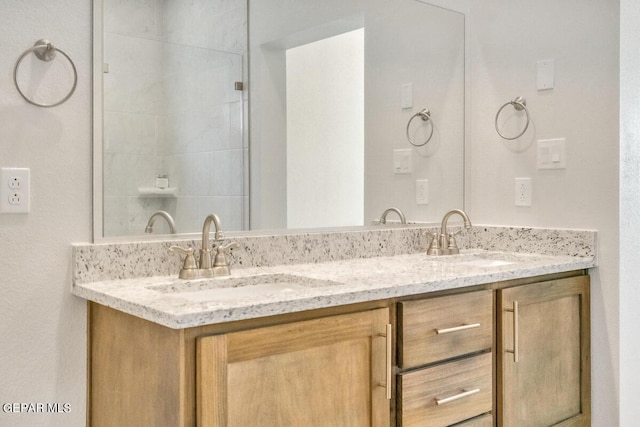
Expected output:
(45, 51)
(519, 103)
(425, 115)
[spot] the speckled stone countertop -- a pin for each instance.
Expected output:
(305, 282)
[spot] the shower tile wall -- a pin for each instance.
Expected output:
(164, 117)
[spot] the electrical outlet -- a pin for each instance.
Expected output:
(422, 191)
(15, 182)
(14, 190)
(523, 192)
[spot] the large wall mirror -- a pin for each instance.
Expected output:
(274, 114)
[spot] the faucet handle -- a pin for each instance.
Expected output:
(221, 251)
(189, 268)
(434, 247)
(220, 265)
(453, 247)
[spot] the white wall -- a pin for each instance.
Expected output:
(277, 25)
(42, 326)
(630, 214)
(325, 164)
(582, 37)
(428, 38)
(422, 45)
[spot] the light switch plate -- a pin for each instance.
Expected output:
(402, 161)
(406, 95)
(546, 74)
(552, 154)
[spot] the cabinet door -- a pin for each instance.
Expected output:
(330, 371)
(543, 354)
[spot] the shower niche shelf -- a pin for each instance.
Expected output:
(157, 192)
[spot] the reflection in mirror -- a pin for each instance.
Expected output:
(172, 119)
(407, 44)
(331, 87)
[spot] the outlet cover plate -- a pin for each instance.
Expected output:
(523, 192)
(422, 191)
(14, 190)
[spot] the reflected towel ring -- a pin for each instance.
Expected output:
(425, 115)
(519, 103)
(45, 51)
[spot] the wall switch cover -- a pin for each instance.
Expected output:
(552, 154)
(406, 95)
(14, 190)
(402, 161)
(546, 74)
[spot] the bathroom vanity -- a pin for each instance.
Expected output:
(485, 337)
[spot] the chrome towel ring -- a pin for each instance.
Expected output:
(519, 103)
(425, 115)
(45, 51)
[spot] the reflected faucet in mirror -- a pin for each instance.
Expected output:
(383, 217)
(445, 242)
(152, 220)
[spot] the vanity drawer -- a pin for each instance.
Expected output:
(445, 394)
(435, 329)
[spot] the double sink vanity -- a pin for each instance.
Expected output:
(343, 328)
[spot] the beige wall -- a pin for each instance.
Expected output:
(582, 37)
(630, 218)
(42, 326)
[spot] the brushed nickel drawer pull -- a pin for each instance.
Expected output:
(515, 331)
(457, 328)
(464, 393)
(387, 384)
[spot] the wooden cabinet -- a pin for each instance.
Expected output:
(444, 349)
(543, 354)
(512, 353)
(328, 371)
(331, 369)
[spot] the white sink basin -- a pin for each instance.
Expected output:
(487, 259)
(234, 288)
(487, 263)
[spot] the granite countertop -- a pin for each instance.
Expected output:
(264, 291)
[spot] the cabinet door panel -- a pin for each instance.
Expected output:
(313, 373)
(324, 385)
(543, 353)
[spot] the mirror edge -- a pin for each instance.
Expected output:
(97, 52)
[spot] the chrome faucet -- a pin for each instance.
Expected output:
(383, 218)
(445, 242)
(205, 267)
(166, 216)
